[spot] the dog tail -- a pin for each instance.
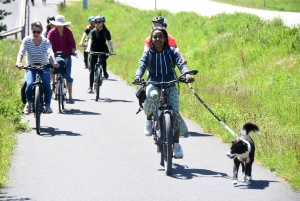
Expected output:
(248, 127)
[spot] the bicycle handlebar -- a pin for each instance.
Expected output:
(104, 53)
(36, 67)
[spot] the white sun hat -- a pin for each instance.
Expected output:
(60, 21)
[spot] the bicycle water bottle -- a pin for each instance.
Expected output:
(163, 97)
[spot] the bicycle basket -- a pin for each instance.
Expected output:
(62, 66)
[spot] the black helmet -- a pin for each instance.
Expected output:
(159, 19)
(50, 18)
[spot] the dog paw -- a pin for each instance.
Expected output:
(234, 182)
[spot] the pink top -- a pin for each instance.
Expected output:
(171, 39)
(63, 43)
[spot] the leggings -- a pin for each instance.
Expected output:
(152, 94)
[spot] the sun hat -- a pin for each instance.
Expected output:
(60, 21)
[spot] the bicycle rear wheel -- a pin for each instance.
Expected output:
(98, 82)
(38, 109)
(168, 142)
(60, 95)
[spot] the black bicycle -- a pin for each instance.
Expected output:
(163, 126)
(38, 94)
(98, 79)
(60, 83)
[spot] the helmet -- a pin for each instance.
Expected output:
(159, 19)
(91, 19)
(165, 23)
(50, 18)
(102, 18)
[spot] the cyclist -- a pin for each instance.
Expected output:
(62, 40)
(161, 21)
(85, 38)
(97, 43)
(38, 48)
(49, 25)
(161, 69)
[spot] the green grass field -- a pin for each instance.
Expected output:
(248, 71)
(278, 5)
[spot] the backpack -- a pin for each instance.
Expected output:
(140, 92)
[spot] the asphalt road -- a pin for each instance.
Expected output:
(97, 151)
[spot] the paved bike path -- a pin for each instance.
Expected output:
(209, 8)
(97, 151)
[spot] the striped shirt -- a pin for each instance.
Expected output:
(36, 54)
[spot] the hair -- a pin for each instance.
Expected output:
(105, 30)
(37, 24)
(163, 30)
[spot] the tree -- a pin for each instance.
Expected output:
(3, 14)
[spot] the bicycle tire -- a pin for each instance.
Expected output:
(98, 82)
(60, 95)
(168, 142)
(37, 110)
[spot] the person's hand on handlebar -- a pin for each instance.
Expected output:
(19, 66)
(137, 79)
(55, 65)
(189, 79)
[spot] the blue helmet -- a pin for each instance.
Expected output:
(102, 18)
(91, 19)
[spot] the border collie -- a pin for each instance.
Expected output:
(242, 151)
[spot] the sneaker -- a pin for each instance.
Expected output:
(90, 90)
(27, 108)
(106, 75)
(177, 150)
(148, 128)
(48, 109)
(70, 101)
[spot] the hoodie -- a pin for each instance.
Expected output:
(160, 69)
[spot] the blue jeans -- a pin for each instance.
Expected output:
(30, 78)
(68, 60)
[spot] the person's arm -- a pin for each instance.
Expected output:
(172, 43)
(111, 49)
(147, 44)
(88, 49)
(82, 38)
(182, 65)
(21, 52)
(142, 67)
(72, 43)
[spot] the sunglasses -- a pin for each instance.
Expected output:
(38, 32)
(98, 22)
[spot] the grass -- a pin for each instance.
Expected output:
(10, 104)
(278, 5)
(248, 71)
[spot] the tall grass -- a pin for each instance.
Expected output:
(248, 71)
(10, 104)
(279, 5)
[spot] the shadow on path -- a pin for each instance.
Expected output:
(50, 132)
(79, 112)
(11, 198)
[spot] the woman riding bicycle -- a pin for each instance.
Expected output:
(85, 38)
(161, 69)
(97, 43)
(38, 49)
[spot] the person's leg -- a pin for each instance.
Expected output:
(30, 78)
(93, 59)
(104, 65)
(47, 89)
(150, 107)
(85, 59)
(69, 78)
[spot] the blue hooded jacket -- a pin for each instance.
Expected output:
(161, 68)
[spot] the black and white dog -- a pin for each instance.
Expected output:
(242, 151)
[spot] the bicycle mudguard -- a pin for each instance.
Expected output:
(23, 96)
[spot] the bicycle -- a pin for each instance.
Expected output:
(60, 82)
(163, 126)
(38, 94)
(98, 79)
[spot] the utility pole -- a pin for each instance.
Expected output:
(85, 4)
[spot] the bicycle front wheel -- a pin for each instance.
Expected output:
(38, 108)
(60, 95)
(168, 142)
(98, 82)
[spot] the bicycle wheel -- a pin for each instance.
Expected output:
(38, 107)
(60, 95)
(98, 82)
(168, 142)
